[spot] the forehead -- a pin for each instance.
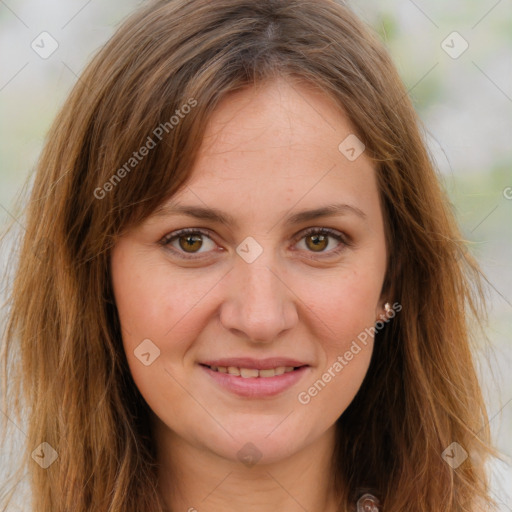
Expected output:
(273, 116)
(272, 145)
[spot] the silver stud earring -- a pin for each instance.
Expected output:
(388, 308)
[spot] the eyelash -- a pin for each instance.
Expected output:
(342, 238)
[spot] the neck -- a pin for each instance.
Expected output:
(194, 479)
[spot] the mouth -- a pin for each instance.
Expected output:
(255, 379)
(252, 373)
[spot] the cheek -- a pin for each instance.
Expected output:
(344, 315)
(344, 305)
(333, 390)
(154, 307)
(168, 309)
(154, 303)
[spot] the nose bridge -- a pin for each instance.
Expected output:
(260, 287)
(260, 306)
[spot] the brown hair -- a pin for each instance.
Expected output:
(71, 376)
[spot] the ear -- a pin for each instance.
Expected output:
(379, 309)
(390, 287)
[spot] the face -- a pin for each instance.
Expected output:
(244, 327)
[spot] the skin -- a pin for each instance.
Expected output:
(269, 152)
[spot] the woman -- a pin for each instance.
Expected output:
(248, 290)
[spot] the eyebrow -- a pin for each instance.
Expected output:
(216, 215)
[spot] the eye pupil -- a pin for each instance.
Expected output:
(191, 243)
(319, 242)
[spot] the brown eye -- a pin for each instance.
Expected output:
(323, 241)
(190, 243)
(317, 243)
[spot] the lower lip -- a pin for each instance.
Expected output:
(257, 387)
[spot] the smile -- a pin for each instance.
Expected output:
(255, 383)
(248, 373)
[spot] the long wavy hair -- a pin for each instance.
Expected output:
(66, 378)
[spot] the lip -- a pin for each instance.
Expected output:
(255, 364)
(256, 387)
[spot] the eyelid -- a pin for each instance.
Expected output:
(339, 235)
(166, 240)
(185, 231)
(344, 240)
(342, 237)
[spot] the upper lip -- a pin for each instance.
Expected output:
(259, 364)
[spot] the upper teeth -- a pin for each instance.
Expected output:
(252, 372)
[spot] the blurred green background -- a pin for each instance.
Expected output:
(465, 104)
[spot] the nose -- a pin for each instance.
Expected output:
(260, 306)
